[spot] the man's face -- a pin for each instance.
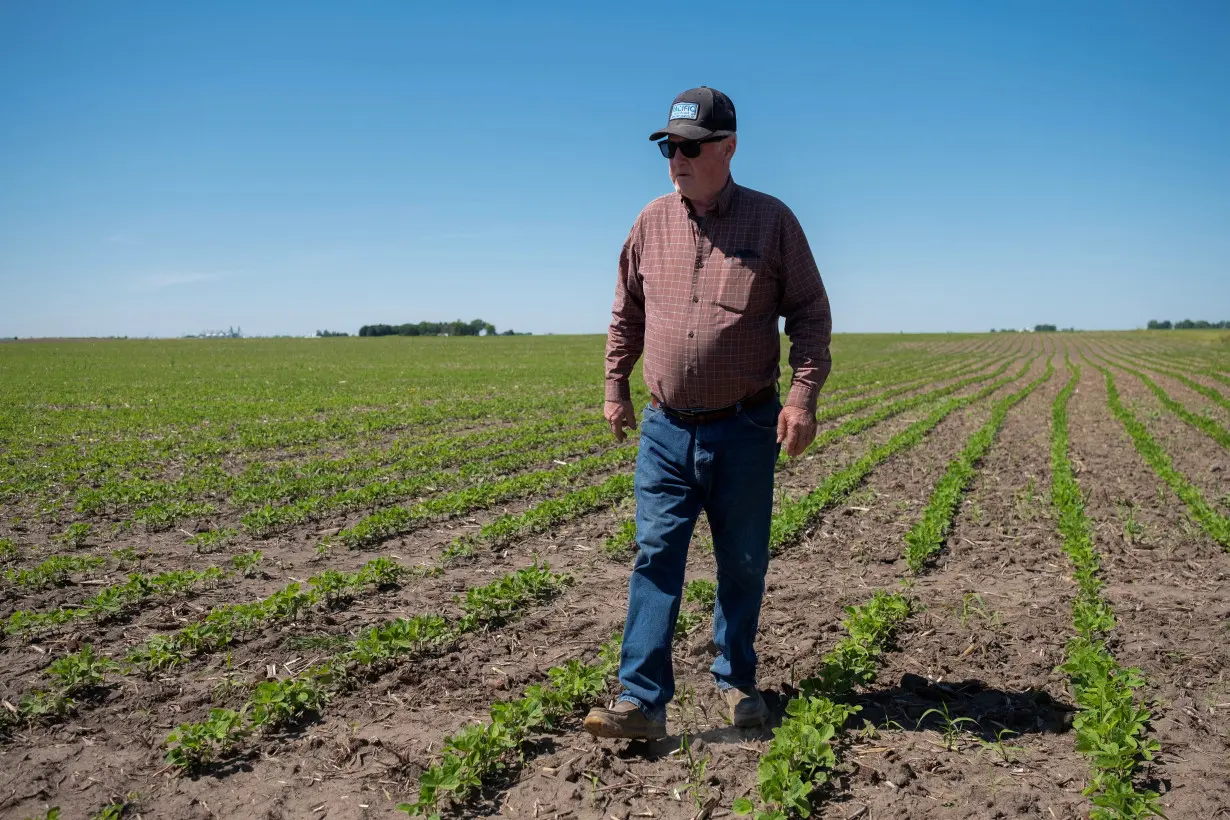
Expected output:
(701, 178)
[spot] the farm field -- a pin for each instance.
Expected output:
(342, 578)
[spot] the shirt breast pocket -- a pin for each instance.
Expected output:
(747, 286)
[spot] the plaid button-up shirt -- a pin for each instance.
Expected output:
(700, 297)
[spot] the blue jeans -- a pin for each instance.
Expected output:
(725, 468)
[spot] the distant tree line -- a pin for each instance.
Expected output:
(329, 334)
(1187, 324)
(1037, 329)
(455, 328)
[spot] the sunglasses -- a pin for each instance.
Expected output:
(690, 148)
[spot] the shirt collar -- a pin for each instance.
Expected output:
(724, 198)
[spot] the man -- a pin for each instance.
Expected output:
(703, 277)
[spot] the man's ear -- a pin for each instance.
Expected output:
(733, 143)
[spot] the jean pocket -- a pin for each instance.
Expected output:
(762, 416)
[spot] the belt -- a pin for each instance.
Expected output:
(759, 397)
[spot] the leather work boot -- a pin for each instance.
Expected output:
(747, 707)
(623, 719)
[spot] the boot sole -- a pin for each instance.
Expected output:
(752, 721)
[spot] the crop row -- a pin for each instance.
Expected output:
(579, 502)
(1168, 367)
(278, 704)
(302, 489)
(1215, 524)
(115, 600)
(927, 536)
(1110, 727)
(1204, 424)
(804, 750)
(480, 751)
(544, 515)
(857, 425)
(271, 518)
(221, 627)
(854, 405)
(288, 481)
(795, 516)
(393, 521)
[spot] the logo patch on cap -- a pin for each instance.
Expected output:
(685, 111)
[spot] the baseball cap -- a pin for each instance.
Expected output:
(699, 113)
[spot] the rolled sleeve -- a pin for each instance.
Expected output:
(809, 322)
(625, 339)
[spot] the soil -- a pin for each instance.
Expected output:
(992, 616)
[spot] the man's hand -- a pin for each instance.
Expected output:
(620, 414)
(796, 428)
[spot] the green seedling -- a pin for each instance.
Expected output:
(619, 544)
(335, 587)
(158, 654)
(245, 563)
(8, 549)
(212, 540)
(117, 810)
(126, 555)
(280, 703)
(76, 535)
(193, 745)
(687, 622)
(55, 571)
(701, 592)
(803, 753)
(81, 671)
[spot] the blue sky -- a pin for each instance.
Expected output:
(170, 167)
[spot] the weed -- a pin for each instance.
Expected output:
(1000, 749)
(973, 606)
(1133, 530)
(951, 725)
(696, 766)
(8, 549)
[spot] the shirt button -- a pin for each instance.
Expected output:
(695, 298)
(690, 334)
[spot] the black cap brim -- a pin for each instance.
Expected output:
(688, 132)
